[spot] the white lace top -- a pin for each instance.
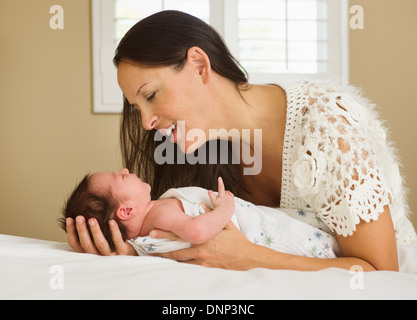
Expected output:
(337, 162)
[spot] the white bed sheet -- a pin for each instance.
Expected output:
(27, 272)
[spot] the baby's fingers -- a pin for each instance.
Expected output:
(212, 197)
(221, 187)
(230, 194)
(205, 208)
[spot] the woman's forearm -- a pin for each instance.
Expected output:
(230, 249)
(263, 257)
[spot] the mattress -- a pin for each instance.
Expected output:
(39, 269)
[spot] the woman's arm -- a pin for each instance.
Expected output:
(372, 247)
(373, 242)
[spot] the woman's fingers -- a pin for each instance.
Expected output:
(182, 254)
(72, 237)
(97, 244)
(121, 247)
(116, 234)
(84, 236)
(100, 241)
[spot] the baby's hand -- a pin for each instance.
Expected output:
(224, 199)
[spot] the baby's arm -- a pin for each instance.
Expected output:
(202, 228)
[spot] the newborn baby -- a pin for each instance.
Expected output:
(194, 214)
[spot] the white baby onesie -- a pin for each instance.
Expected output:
(264, 226)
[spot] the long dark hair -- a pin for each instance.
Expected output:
(164, 39)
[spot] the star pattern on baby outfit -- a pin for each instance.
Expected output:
(269, 241)
(318, 235)
(326, 247)
(150, 248)
(301, 213)
(318, 219)
(314, 250)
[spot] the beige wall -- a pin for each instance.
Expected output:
(50, 138)
(383, 61)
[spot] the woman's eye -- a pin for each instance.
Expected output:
(151, 97)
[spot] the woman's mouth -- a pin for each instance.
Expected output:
(173, 133)
(170, 132)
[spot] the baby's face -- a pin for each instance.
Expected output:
(125, 187)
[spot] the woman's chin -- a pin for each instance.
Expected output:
(190, 147)
(189, 141)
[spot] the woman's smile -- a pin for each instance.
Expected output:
(170, 131)
(176, 96)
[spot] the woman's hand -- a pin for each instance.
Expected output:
(98, 245)
(229, 249)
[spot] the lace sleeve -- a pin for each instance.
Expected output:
(336, 168)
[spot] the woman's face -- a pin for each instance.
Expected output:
(164, 96)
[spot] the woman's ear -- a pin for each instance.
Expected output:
(124, 213)
(199, 60)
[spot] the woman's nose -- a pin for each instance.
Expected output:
(149, 122)
(124, 171)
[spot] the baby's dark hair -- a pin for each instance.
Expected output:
(84, 202)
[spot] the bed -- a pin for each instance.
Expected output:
(39, 269)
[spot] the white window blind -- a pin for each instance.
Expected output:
(283, 36)
(129, 12)
(275, 40)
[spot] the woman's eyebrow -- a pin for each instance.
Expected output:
(137, 93)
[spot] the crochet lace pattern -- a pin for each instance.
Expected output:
(337, 161)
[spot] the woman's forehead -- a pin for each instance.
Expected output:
(139, 74)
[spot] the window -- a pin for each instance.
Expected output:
(275, 40)
(128, 12)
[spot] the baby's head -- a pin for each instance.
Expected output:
(109, 195)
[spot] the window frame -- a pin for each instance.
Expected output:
(107, 96)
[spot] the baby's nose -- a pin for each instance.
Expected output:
(124, 171)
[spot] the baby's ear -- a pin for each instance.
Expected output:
(124, 213)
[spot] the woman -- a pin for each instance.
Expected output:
(323, 149)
